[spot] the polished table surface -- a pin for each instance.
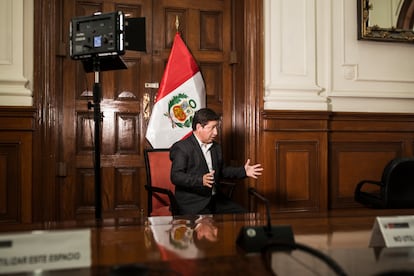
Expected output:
(205, 245)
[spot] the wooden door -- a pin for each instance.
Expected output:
(205, 27)
(126, 102)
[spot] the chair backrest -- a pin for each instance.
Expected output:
(398, 180)
(158, 168)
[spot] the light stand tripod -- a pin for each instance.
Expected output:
(98, 40)
(96, 65)
(97, 94)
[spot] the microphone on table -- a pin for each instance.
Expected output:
(253, 239)
(268, 239)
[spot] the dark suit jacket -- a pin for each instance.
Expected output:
(188, 168)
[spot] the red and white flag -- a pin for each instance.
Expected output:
(181, 93)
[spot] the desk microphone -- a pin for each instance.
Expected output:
(252, 191)
(253, 239)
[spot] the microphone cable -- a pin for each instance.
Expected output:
(280, 246)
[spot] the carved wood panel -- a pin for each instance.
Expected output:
(10, 183)
(295, 160)
(16, 151)
(295, 171)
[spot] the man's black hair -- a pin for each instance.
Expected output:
(203, 116)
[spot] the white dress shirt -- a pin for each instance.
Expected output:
(205, 148)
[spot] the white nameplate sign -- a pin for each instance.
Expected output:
(45, 250)
(393, 232)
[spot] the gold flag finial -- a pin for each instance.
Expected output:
(177, 23)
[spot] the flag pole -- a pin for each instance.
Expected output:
(177, 23)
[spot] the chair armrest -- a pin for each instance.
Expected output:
(169, 193)
(228, 187)
(155, 189)
(366, 198)
(364, 182)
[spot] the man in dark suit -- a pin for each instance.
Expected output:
(197, 167)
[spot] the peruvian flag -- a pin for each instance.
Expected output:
(181, 93)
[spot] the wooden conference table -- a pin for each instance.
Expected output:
(207, 246)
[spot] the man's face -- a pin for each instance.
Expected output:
(207, 133)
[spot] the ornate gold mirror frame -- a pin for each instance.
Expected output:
(402, 31)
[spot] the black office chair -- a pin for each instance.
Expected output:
(395, 189)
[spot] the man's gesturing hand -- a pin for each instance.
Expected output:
(253, 170)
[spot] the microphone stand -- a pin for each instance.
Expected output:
(285, 241)
(253, 239)
(252, 191)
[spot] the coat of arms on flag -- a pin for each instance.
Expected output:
(181, 93)
(181, 110)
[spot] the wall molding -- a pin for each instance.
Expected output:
(314, 61)
(16, 58)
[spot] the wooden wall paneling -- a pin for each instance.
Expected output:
(17, 126)
(49, 47)
(295, 171)
(10, 183)
(127, 193)
(294, 148)
(352, 161)
(361, 144)
(247, 65)
(240, 129)
(83, 193)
